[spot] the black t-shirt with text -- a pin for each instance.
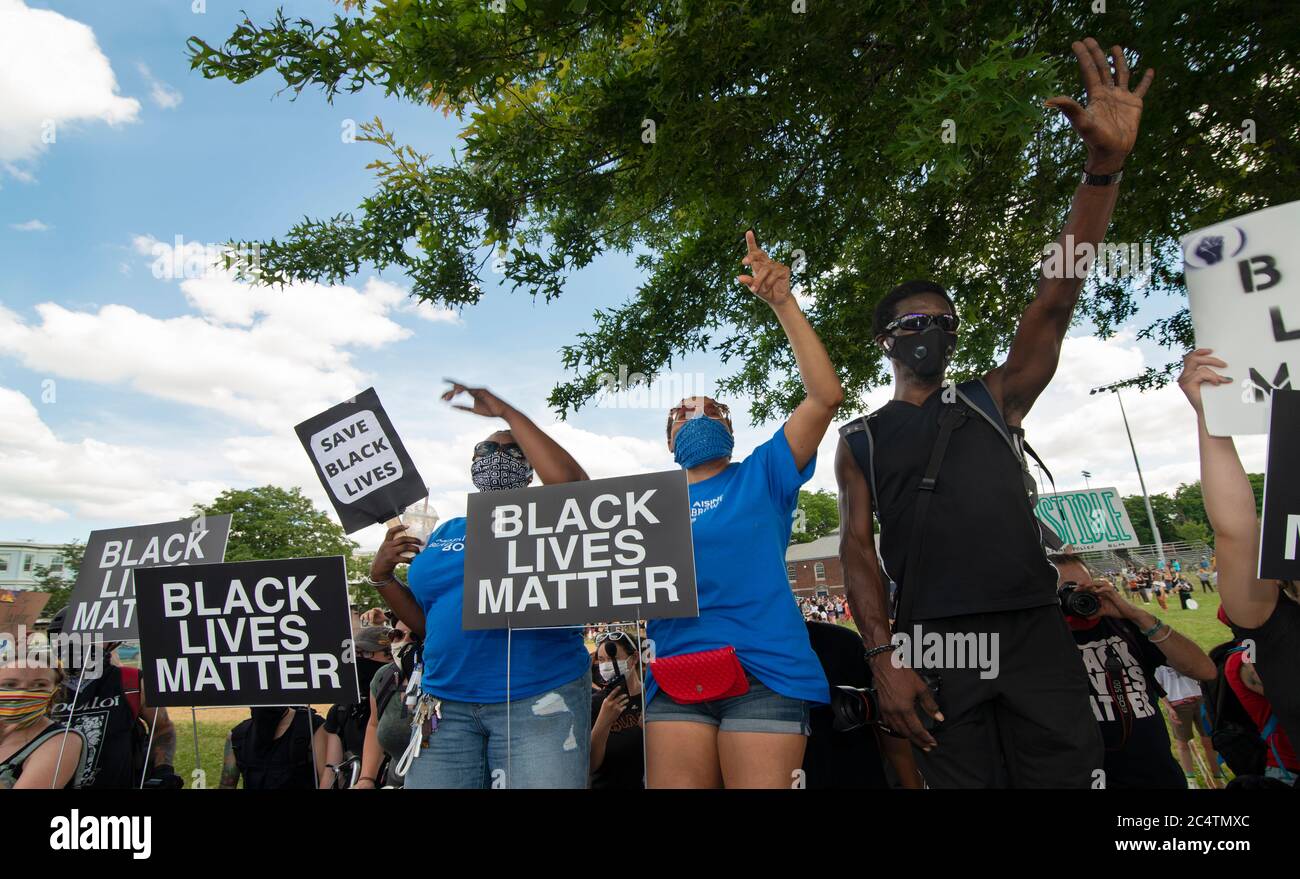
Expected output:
(624, 763)
(1137, 742)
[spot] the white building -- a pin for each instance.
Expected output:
(19, 560)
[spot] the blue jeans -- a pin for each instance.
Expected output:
(540, 742)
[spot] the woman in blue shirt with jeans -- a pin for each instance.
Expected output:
(728, 702)
(515, 708)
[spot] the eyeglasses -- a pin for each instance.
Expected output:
(487, 447)
(917, 323)
(396, 636)
(710, 408)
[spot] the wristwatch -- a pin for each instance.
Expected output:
(1102, 179)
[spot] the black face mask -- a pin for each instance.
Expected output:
(925, 353)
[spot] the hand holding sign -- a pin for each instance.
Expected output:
(486, 403)
(770, 280)
(1197, 371)
(1109, 124)
(398, 548)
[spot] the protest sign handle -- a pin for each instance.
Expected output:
(194, 725)
(311, 737)
(148, 750)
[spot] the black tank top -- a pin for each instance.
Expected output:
(982, 550)
(103, 715)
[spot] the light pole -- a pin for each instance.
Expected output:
(1086, 477)
(1146, 499)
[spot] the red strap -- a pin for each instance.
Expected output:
(131, 686)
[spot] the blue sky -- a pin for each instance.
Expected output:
(167, 390)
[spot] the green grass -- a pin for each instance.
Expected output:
(212, 746)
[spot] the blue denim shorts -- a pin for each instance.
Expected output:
(759, 710)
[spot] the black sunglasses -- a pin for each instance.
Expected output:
(487, 447)
(920, 322)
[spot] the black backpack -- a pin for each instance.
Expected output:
(1234, 734)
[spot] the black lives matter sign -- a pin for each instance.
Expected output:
(1279, 542)
(361, 461)
(103, 600)
(247, 633)
(604, 550)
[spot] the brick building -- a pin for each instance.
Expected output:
(813, 567)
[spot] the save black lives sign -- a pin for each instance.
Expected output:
(361, 461)
(103, 600)
(1279, 543)
(247, 633)
(604, 550)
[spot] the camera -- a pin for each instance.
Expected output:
(854, 707)
(1076, 602)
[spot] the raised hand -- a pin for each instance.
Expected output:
(1197, 371)
(485, 402)
(769, 280)
(1109, 123)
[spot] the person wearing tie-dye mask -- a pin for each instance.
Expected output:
(541, 732)
(34, 751)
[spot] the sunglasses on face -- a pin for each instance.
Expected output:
(397, 636)
(711, 409)
(917, 323)
(488, 447)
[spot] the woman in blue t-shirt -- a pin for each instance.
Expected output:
(728, 702)
(514, 708)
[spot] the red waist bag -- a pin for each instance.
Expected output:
(701, 677)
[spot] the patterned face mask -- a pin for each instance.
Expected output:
(498, 471)
(22, 708)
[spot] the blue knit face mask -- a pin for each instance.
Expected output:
(702, 439)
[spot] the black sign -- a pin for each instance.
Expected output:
(361, 461)
(247, 633)
(103, 597)
(604, 550)
(1279, 543)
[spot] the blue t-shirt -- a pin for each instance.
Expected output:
(740, 522)
(470, 666)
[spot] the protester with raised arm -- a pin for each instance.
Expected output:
(727, 705)
(1265, 612)
(473, 737)
(944, 470)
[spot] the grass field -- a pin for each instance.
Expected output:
(1201, 625)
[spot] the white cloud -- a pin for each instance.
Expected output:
(46, 479)
(160, 92)
(265, 356)
(30, 226)
(53, 74)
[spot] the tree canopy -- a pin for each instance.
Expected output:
(269, 522)
(866, 143)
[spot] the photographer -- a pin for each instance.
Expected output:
(617, 749)
(1122, 646)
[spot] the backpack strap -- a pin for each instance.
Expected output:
(131, 687)
(950, 418)
(976, 394)
(387, 690)
(857, 435)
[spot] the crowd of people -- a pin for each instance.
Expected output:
(762, 689)
(826, 607)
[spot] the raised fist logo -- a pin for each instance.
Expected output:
(1210, 249)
